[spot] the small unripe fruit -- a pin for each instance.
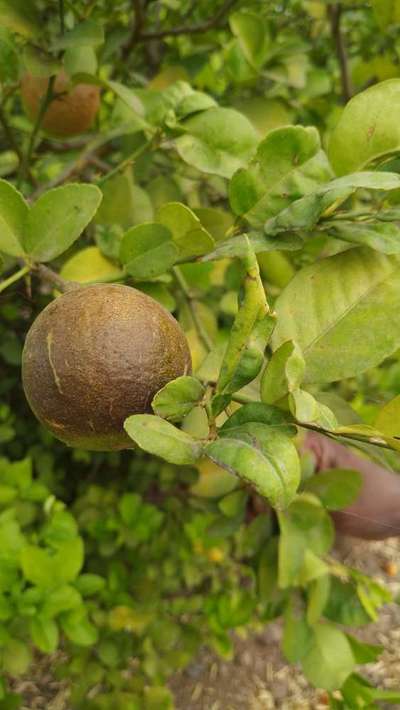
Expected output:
(96, 355)
(73, 110)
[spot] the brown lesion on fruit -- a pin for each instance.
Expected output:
(49, 341)
(370, 132)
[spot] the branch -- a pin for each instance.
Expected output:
(137, 29)
(188, 29)
(55, 279)
(10, 137)
(335, 14)
(190, 302)
(14, 277)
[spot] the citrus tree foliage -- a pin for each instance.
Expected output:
(230, 176)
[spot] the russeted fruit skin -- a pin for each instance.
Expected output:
(70, 114)
(96, 355)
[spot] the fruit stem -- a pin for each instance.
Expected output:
(52, 277)
(190, 302)
(14, 277)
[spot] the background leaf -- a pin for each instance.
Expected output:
(217, 141)
(13, 216)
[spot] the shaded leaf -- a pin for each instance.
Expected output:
(177, 398)
(284, 372)
(337, 488)
(186, 229)
(13, 216)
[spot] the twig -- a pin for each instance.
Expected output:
(137, 29)
(80, 162)
(126, 162)
(52, 277)
(14, 277)
(10, 137)
(190, 302)
(244, 399)
(46, 100)
(188, 29)
(335, 14)
(61, 14)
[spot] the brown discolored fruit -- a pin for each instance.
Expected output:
(96, 355)
(70, 113)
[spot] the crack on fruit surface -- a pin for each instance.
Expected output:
(57, 381)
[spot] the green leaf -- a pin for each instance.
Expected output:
(124, 203)
(388, 418)
(262, 456)
(238, 246)
(78, 628)
(364, 652)
(177, 398)
(233, 504)
(305, 408)
(13, 215)
(317, 597)
(252, 357)
(89, 264)
(367, 130)
(330, 300)
(80, 59)
(187, 232)
(288, 164)
(58, 218)
(260, 413)
(253, 36)
(297, 635)
(20, 16)
(217, 141)
(381, 237)
(60, 599)
(284, 372)
(253, 309)
(344, 606)
(330, 659)
(158, 437)
(46, 570)
(17, 473)
(85, 34)
(9, 64)
(44, 633)
(387, 12)
(148, 251)
(197, 101)
(88, 584)
(40, 63)
(16, 657)
(337, 488)
(305, 527)
(217, 222)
